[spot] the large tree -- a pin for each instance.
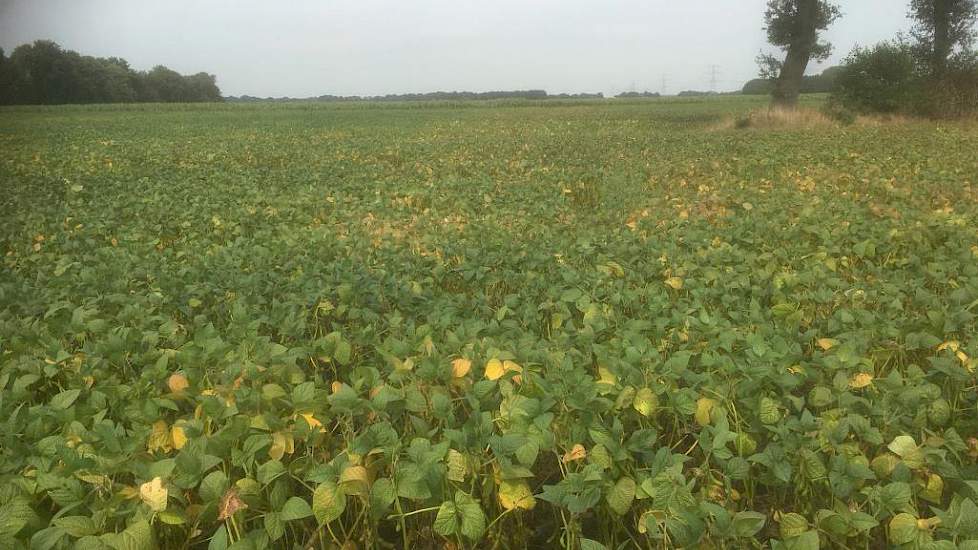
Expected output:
(942, 27)
(794, 26)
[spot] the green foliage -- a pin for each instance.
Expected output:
(790, 22)
(579, 324)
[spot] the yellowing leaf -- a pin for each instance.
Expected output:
(511, 366)
(494, 369)
(827, 343)
(403, 366)
(154, 494)
(650, 517)
(312, 421)
(621, 496)
(793, 525)
(861, 380)
(457, 467)
(177, 383)
(769, 411)
(605, 376)
(704, 410)
(674, 283)
(159, 438)
(461, 367)
(354, 480)
(903, 529)
(178, 437)
(950, 344)
(646, 402)
(514, 495)
(282, 444)
(577, 452)
(933, 489)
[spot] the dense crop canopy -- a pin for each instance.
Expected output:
(590, 324)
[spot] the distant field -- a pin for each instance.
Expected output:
(490, 325)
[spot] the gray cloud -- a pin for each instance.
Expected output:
(311, 47)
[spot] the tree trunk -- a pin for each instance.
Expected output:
(788, 86)
(942, 36)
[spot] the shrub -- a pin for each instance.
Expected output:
(840, 114)
(890, 78)
(881, 79)
(955, 93)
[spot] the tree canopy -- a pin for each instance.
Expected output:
(943, 28)
(794, 27)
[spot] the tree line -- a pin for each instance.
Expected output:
(429, 96)
(44, 73)
(933, 71)
(823, 83)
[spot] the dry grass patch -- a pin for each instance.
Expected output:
(774, 118)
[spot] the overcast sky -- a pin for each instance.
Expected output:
(303, 48)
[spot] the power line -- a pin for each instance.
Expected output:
(714, 77)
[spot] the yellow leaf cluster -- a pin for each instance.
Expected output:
(495, 369)
(312, 421)
(577, 452)
(861, 380)
(178, 437)
(674, 283)
(827, 343)
(159, 438)
(177, 383)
